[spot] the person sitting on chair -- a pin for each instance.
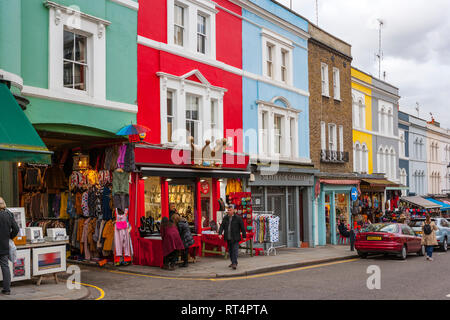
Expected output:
(343, 231)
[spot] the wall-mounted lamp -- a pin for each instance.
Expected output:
(19, 164)
(168, 179)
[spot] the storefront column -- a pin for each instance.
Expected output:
(333, 217)
(164, 198)
(297, 216)
(322, 228)
(286, 202)
(215, 197)
(198, 225)
(312, 219)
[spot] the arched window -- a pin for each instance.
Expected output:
(365, 159)
(390, 119)
(392, 166)
(358, 157)
(380, 160)
(382, 120)
(362, 114)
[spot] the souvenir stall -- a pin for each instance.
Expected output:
(371, 204)
(417, 207)
(85, 192)
(192, 188)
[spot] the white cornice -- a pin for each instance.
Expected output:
(376, 134)
(373, 88)
(54, 5)
(16, 80)
(127, 3)
(205, 4)
(75, 99)
(272, 18)
(217, 64)
(204, 82)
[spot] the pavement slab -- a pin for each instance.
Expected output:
(217, 266)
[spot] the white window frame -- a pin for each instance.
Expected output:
(61, 18)
(402, 143)
(341, 138)
(192, 10)
(289, 143)
(181, 86)
(336, 84)
(279, 44)
(332, 137)
(325, 81)
(173, 116)
(323, 135)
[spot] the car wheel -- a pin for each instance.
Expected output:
(362, 255)
(444, 246)
(403, 253)
(421, 252)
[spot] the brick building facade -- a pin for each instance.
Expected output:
(330, 107)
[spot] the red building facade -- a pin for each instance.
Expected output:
(189, 87)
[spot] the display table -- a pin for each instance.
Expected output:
(38, 260)
(150, 250)
(217, 242)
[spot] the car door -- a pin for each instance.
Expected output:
(445, 227)
(416, 242)
(406, 235)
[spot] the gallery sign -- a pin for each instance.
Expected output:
(283, 179)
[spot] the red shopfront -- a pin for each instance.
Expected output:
(194, 191)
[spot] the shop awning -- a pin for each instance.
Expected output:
(193, 173)
(421, 202)
(340, 182)
(445, 207)
(379, 183)
(19, 141)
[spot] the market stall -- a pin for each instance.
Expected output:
(417, 207)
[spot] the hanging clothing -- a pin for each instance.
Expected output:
(121, 182)
(129, 163)
(85, 204)
(63, 209)
(122, 239)
(121, 158)
(55, 179)
(106, 204)
(108, 236)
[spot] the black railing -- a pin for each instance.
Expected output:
(331, 156)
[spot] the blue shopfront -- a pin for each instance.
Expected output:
(335, 199)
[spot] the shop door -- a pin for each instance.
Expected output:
(276, 202)
(292, 214)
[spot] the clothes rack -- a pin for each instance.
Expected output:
(273, 235)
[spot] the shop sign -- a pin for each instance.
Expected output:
(288, 179)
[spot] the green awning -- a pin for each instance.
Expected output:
(19, 141)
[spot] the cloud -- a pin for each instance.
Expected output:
(415, 43)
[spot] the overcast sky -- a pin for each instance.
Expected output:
(416, 45)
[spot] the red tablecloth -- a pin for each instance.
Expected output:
(150, 251)
(214, 240)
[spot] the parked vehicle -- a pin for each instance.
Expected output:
(442, 235)
(388, 238)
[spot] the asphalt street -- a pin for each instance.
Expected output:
(414, 278)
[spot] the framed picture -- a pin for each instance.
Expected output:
(22, 268)
(49, 260)
(19, 216)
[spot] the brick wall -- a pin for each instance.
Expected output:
(327, 109)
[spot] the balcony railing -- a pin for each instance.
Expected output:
(331, 156)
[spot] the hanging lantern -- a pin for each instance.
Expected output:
(80, 162)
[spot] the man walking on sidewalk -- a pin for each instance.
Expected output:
(232, 226)
(8, 230)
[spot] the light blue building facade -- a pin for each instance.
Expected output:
(418, 156)
(276, 116)
(403, 130)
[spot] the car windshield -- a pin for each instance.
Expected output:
(418, 223)
(381, 227)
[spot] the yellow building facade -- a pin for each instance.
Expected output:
(362, 122)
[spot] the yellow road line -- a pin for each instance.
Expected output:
(102, 293)
(238, 277)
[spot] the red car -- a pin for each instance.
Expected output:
(388, 238)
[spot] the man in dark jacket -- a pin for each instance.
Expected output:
(185, 235)
(232, 226)
(8, 230)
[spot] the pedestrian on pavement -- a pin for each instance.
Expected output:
(185, 235)
(429, 240)
(171, 243)
(232, 226)
(8, 231)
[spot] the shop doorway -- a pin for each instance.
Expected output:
(276, 202)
